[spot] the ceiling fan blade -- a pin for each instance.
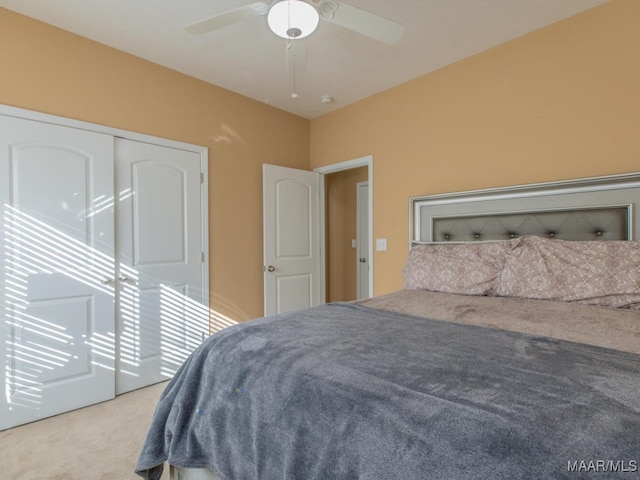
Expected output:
(368, 24)
(228, 18)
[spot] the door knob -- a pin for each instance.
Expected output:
(271, 268)
(106, 281)
(127, 279)
(363, 260)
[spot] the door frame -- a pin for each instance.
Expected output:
(366, 161)
(140, 137)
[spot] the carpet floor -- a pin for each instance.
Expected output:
(100, 442)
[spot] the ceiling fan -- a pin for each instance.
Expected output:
(338, 13)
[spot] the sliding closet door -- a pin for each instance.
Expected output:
(57, 269)
(161, 298)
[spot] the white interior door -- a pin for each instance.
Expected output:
(56, 277)
(162, 302)
(362, 235)
(291, 207)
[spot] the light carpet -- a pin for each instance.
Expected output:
(100, 442)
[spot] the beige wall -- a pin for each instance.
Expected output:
(341, 218)
(49, 70)
(562, 102)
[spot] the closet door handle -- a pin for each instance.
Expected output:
(106, 281)
(126, 279)
(271, 268)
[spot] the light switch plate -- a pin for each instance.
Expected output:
(381, 244)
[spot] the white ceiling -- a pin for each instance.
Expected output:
(248, 59)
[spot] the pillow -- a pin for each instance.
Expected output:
(465, 268)
(604, 273)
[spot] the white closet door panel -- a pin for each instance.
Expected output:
(57, 331)
(160, 239)
(159, 224)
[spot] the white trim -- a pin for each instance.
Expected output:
(94, 127)
(140, 137)
(366, 161)
(204, 196)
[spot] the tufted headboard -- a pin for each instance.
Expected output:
(598, 208)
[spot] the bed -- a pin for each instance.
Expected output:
(513, 351)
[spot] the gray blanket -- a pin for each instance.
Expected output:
(347, 392)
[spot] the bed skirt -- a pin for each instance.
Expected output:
(177, 473)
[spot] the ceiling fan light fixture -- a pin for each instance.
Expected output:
(292, 19)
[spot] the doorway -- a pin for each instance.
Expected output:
(343, 246)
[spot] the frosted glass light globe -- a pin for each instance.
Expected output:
(293, 19)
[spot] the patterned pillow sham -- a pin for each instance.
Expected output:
(462, 268)
(604, 273)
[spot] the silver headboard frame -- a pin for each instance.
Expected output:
(597, 208)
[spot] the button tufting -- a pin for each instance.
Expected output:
(581, 224)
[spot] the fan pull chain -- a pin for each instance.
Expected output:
(292, 47)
